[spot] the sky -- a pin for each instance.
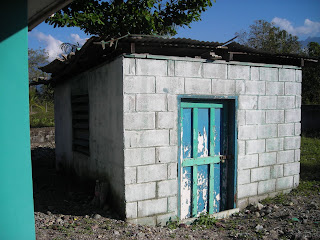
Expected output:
(219, 23)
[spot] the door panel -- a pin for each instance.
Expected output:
(202, 143)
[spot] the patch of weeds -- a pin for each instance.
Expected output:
(279, 199)
(172, 235)
(173, 224)
(89, 221)
(205, 220)
(307, 188)
(310, 157)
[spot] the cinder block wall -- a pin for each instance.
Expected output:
(268, 123)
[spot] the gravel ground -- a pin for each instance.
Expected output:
(64, 210)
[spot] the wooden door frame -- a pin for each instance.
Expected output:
(232, 103)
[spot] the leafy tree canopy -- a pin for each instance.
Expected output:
(115, 18)
(265, 36)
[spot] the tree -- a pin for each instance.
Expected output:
(311, 77)
(265, 36)
(38, 58)
(115, 18)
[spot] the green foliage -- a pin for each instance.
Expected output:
(265, 36)
(42, 115)
(311, 77)
(115, 18)
(37, 58)
(205, 220)
(173, 224)
(310, 158)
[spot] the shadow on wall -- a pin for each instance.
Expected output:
(60, 194)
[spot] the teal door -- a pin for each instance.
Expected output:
(203, 149)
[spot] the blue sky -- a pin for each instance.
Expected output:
(219, 23)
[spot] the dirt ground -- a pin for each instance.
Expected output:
(64, 210)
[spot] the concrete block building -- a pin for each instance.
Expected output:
(178, 127)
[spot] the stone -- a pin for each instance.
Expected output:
(259, 228)
(96, 216)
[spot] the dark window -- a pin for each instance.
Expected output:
(80, 123)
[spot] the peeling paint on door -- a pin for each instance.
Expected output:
(202, 141)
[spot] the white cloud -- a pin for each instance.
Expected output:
(75, 38)
(309, 27)
(52, 45)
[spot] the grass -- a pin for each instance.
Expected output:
(310, 157)
(41, 117)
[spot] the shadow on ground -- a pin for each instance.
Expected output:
(60, 194)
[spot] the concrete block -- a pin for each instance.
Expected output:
(130, 175)
(274, 144)
(197, 86)
(275, 88)
(255, 146)
(297, 154)
(167, 154)
(129, 103)
(292, 142)
(242, 203)
(269, 74)
(286, 130)
(286, 102)
(238, 72)
(150, 221)
(241, 148)
(266, 159)
(267, 131)
(296, 180)
(146, 138)
(240, 87)
(151, 207)
(151, 173)
(284, 183)
(292, 115)
(241, 117)
(267, 102)
(151, 102)
(139, 84)
(151, 67)
(173, 204)
(292, 88)
(276, 171)
(255, 117)
(285, 156)
(287, 75)
(172, 102)
(129, 66)
(171, 65)
(259, 174)
(244, 176)
(256, 199)
(298, 101)
(166, 120)
(291, 168)
(132, 210)
(172, 171)
(172, 85)
(298, 75)
(255, 73)
(139, 121)
(173, 137)
(247, 190)
(247, 132)
(167, 188)
(135, 192)
(248, 161)
(266, 186)
(163, 219)
(248, 102)
(139, 156)
(255, 88)
(275, 116)
(223, 87)
(188, 69)
(212, 70)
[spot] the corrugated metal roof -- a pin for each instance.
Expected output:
(97, 50)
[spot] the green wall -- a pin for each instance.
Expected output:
(16, 198)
